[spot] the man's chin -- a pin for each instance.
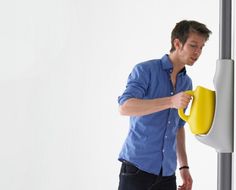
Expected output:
(191, 63)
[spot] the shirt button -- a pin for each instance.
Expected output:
(163, 150)
(168, 122)
(172, 93)
(166, 136)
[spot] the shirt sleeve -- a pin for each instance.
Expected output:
(137, 84)
(181, 123)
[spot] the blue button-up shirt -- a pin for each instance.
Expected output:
(151, 141)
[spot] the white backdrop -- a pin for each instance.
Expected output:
(63, 64)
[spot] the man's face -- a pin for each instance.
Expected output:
(192, 49)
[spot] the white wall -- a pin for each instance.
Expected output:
(63, 64)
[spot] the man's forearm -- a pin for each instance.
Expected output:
(139, 107)
(180, 148)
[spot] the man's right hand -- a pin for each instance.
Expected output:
(180, 100)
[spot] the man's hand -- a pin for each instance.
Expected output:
(187, 180)
(180, 100)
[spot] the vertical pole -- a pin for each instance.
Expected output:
(224, 160)
(224, 171)
(225, 29)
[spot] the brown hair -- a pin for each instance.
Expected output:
(182, 30)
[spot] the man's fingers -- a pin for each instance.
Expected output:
(181, 100)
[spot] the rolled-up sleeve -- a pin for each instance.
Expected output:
(181, 123)
(137, 84)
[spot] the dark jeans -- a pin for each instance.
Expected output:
(132, 178)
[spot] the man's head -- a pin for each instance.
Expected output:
(184, 28)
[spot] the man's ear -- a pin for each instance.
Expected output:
(177, 44)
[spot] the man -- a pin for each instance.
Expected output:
(154, 92)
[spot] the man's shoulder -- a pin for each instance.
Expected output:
(149, 64)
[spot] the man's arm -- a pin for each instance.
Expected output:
(183, 161)
(180, 147)
(139, 107)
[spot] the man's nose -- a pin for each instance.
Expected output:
(198, 51)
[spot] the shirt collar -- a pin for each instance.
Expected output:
(168, 66)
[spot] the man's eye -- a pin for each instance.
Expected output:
(193, 46)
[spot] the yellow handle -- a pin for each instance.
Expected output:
(181, 111)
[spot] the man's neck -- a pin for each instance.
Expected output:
(177, 65)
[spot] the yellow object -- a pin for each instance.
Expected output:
(202, 110)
